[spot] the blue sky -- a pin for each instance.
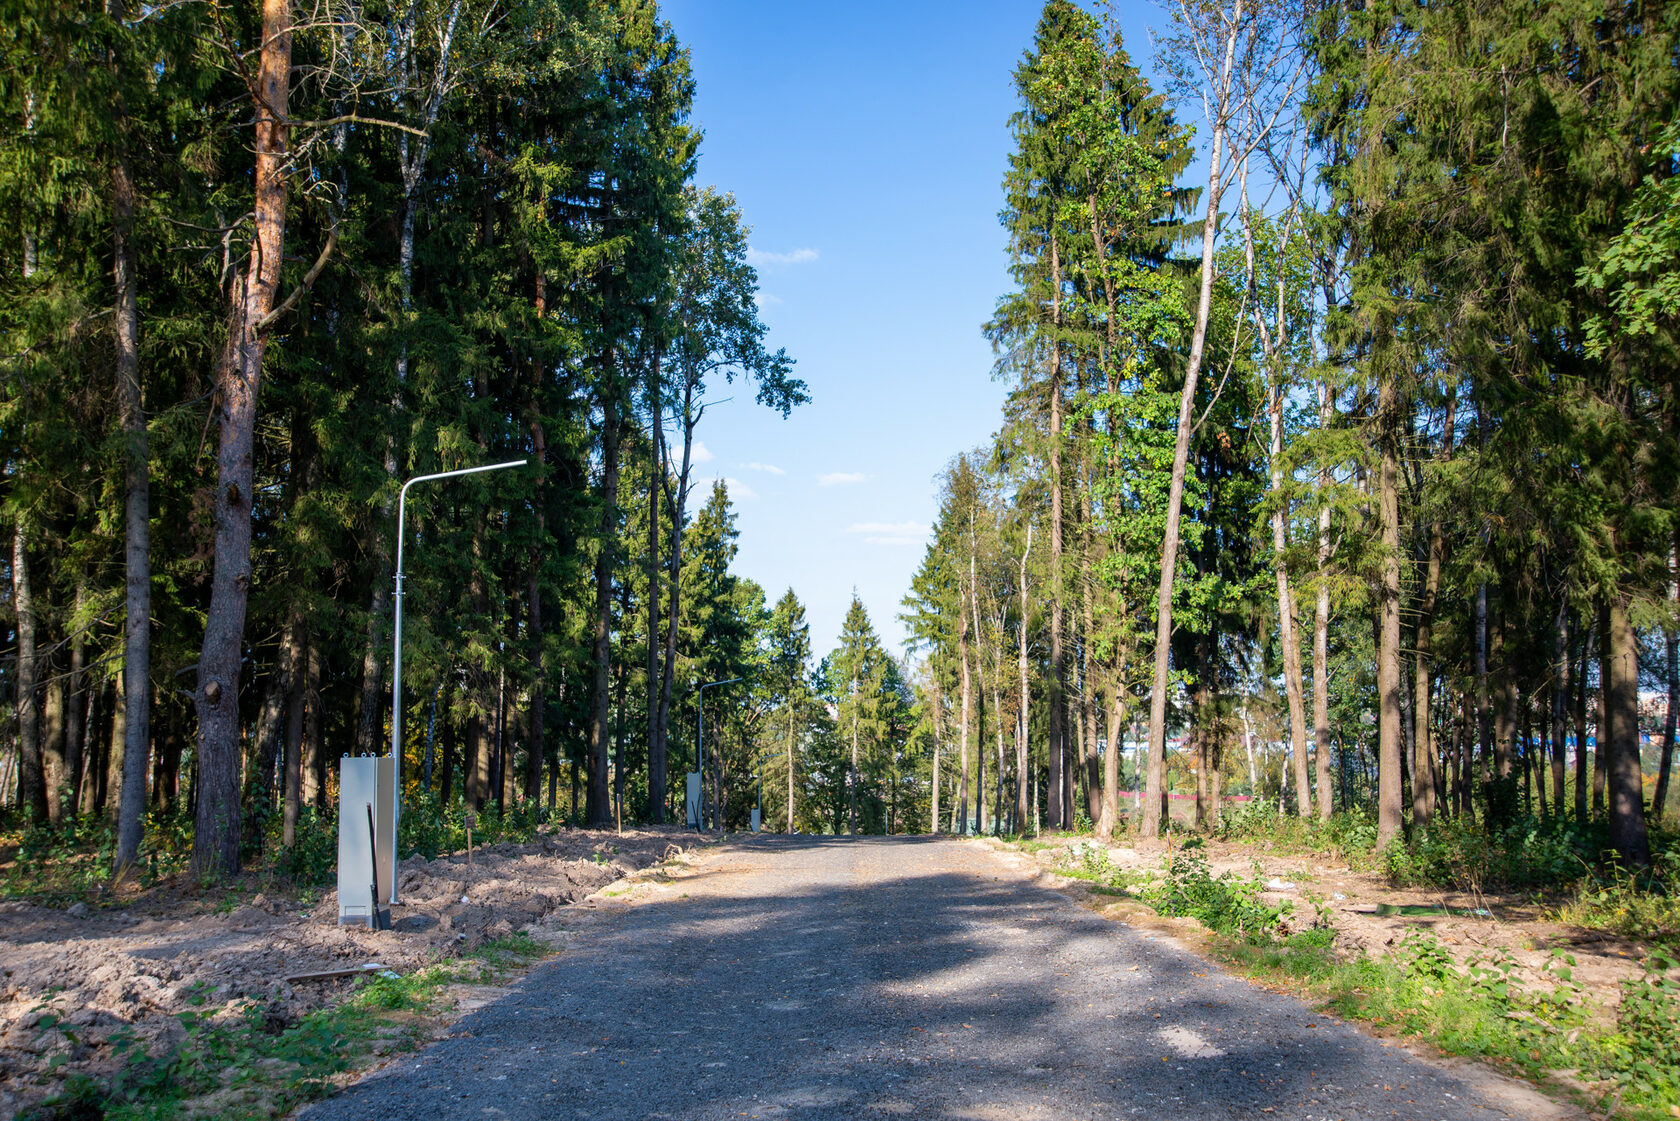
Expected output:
(866, 144)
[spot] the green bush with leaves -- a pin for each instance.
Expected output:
(1227, 904)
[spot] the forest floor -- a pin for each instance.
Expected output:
(85, 988)
(1492, 942)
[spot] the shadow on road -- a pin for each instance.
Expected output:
(833, 977)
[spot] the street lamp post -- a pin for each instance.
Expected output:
(700, 747)
(396, 642)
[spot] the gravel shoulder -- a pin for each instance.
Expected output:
(833, 978)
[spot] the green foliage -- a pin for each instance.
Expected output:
(1640, 904)
(60, 863)
(1491, 1010)
(1226, 904)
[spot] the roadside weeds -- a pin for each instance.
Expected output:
(1611, 1047)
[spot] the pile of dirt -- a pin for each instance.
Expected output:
(73, 980)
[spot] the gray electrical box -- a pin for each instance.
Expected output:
(694, 799)
(364, 781)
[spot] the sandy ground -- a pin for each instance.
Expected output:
(71, 979)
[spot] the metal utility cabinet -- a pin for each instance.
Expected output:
(363, 781)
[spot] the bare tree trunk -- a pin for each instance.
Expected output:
(1321, 664)
(1601, 756)
(1423, 753)
(1484, 716)
(116, 763)
(75, 708)
(960, 807)
(1109, 820)
(314, 748)
(1580, 699)
(979, 690)
(1094, 792)
(791, 716)
(1627, 794)
(1659, 805)
(292, 669)
(938, 743)
(93, 755)
(599, 798)
(1560, 699)
(1058, 659)
(678, 504)
(32, 780)
(537, 749)
(1389, 732)
(1286, 614)
(1024, 728)
(238, 372)
(1155, 788)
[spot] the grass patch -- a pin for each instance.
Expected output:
(1628, 1062)
(1643, 906)
(246, 1062)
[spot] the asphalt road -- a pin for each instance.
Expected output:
(808, 978)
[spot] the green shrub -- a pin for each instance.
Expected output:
(1227, 904)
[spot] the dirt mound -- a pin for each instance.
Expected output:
(71, 980)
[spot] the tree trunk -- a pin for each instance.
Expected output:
(1659, 804)
(54, 769)
(1058, 661)
(1389, 731)
(1601, 755)
(678, 503)
(238, 371)
(1155, 784)
(979, 686)
(1627, 794)
(116, 764)
(1094, 792)
(93, 755)
(1560, 699)
(1286, 614)
(75, 708)
(1581, 781)
(1321, 631)
(960, 805)
(537, 749)
(1423, 748)
(32, 784)
(292, 669)
(599, 797)
(938, 743)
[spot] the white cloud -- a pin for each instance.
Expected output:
(841, 478)
(762, 258)
(891, 533)
(701, 453)
(767, 468)
(765, 299)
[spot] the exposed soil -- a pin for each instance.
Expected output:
(71, 979)
(1469, 926)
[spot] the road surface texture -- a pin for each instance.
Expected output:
(806, 978)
